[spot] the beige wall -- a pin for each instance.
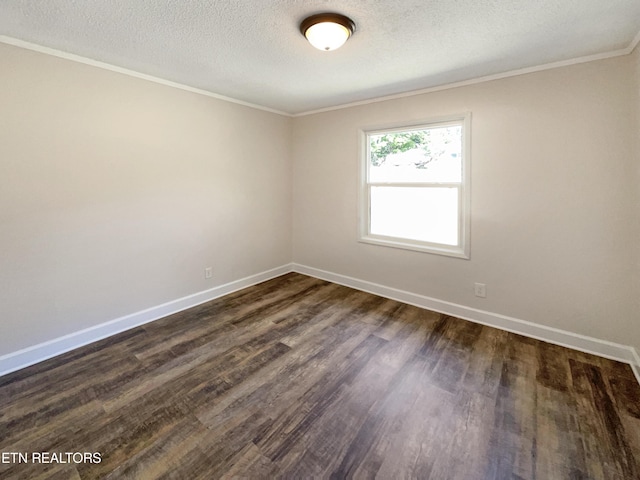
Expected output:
(553, 189)
(116, 193)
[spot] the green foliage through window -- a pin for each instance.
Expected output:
(390, 143)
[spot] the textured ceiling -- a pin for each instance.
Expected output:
(251, 50)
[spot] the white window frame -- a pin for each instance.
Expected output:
(464, 188)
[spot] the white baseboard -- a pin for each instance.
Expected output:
(635, 365)
(602, 348)
(43, 351)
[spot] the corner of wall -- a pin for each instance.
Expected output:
(636, 218)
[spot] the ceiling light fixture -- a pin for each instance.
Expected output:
(327, 31)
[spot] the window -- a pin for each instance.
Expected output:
(415, 186)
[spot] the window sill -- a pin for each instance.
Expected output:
(445, 250)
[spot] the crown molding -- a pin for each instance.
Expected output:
(487, 78)
(131, 73)
(447, 86)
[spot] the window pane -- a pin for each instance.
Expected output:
(426, 214)
(424, 155)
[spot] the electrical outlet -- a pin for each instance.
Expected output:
(481, 290)
(208, 272)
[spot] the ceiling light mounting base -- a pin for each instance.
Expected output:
(327, 31)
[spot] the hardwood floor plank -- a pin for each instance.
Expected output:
(290, 378)
(301, 378)
(298, 418)
(250, 463)
(418, 439)
(366, 452)
(320, 450)
(485, 363)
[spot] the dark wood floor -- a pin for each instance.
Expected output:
(301, 378)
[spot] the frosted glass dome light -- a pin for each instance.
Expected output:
(327, 31)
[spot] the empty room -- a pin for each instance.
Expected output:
(320, 239)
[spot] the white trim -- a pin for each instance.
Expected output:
(488, 78)
(453, 251)
(460, 250)
(575, 341)
(132, 73)
(474, 81)
(635, 364)
(634, 43)
(43, 351)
